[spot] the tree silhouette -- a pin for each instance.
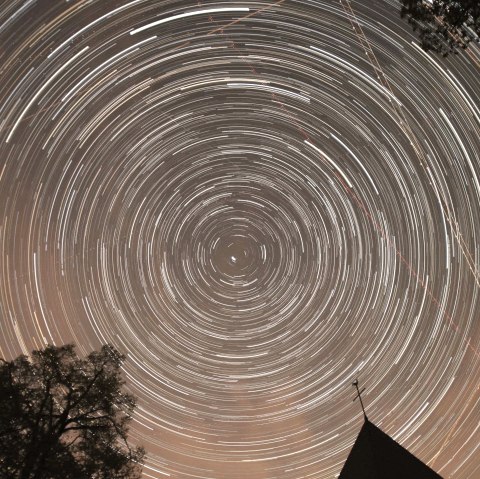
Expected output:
(443, 26)
(65, 417)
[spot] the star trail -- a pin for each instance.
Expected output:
(256, 202)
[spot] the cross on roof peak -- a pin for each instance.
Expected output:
(359, 396)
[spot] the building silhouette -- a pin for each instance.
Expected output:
(375, 455)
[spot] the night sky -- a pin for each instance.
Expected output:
(257, 202)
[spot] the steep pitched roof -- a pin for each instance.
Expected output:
(375, 455)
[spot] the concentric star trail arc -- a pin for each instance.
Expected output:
(256, 202)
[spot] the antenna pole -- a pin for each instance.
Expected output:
(359, 396)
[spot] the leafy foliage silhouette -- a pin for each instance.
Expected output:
(66, 417)
(443, 26)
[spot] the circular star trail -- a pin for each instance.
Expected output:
(257, 202)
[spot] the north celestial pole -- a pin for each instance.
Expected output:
(257, 202)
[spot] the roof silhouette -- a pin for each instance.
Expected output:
(375, 455)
